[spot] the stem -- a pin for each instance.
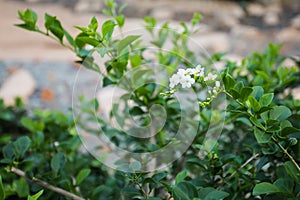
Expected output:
(287, 154)
(45, 184)
(243, 165)
(142, 189)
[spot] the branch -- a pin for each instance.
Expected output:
(287, 154)
(46, 185)
(243, 165)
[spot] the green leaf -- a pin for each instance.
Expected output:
(184, 191)
(280, 113)
(229, 82)
(32, 125)
(36, 196)
(180, 176)
(82, 40)
(216, 195)
(21, 145)
(57, 162)
(2, 191)
(108, 29)
(266, 99)
(135, 60)
(30, 18)
(22, 187)
(256, 123)
(54, 26)
(135, 111)
(8, 151)
(93, 26)
(245, 92)
(82, 175)
(254, 104)
(261, 136)
(265, 188)
(286, 185)
(120, 20)
(209, 193)
(292, 171)
(69, 38)
(258, 91)
(126, 42)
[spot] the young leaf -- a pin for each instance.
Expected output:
(82, 175)
(22, 187)
(254, 104)
(180, 176)
(57, 162)
(2, 191)
(261, 136)
(229, 82)
(126, 42)
(266, 99)
(265, 188)
(280, 113)
(245, 92)
(54, 26)
(21, 145)
(93, 26)
(30, 18)
(36, 196)
(108, 29)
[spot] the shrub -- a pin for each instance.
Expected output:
(234, 132)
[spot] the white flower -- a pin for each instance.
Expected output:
(218, 84)
(210, 76)
(187, 81)
(174, 80)
(199, 70)
(181, 72)
(191, 71)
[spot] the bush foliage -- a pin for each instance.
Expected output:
(255, 157)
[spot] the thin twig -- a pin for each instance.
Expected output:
(45, 184)
(287, 153)
(243, 165)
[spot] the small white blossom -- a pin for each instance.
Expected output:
(181, 72)
(187, 82)
(174, 80)
(218, 84)
(210, 76)
(191, 71)
(199, 70)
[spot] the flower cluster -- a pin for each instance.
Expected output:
(186, 77)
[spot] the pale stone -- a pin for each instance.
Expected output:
(19, 84)
(255, 9)
(88, 5)
(245, 31)
(296, 22)
(296, 93)
(271, 18)
(215, 41)
(288, 63)
(288, 35)
(163, 13)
